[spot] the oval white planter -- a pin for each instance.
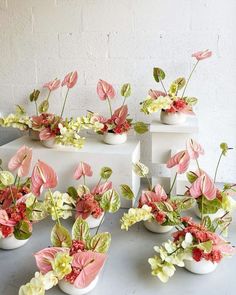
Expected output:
(94, 222)
(219, 213)
(172, 118)
(112, 138)
(50, 143)
(202, 267)
(71, 290)
(34, 135)
(11, 242)
(154, 227)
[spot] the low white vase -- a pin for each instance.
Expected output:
(68, 288)
(201, 267)
(155, 227)
(112, 138)
(34, 135)
(92, 221)
(11, 242)
(49, 143)
(219, 213)
(176, 118)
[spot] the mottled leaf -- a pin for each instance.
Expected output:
(100, 242)
(110, 201)
(60, 236)
(126, 192)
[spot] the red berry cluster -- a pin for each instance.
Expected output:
(76, 247)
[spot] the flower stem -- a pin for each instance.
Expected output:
(198, 166)
(54, 206)
(100, 223)
(202, 200)
(62, 111)
(84, 179)
(109, 103)
(172, 186)
(123, 102)
(189, 78)
(217, 166)
(36, 108)
(162, 84)
(149, 183)
(49, 93)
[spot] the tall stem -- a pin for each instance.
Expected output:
(36, 108)
(202, 209)
(189, 78)
(109, 103)
(123, 102)
(54, 206)
(149, 183)
(162, 84)
(173, 183)
(49, 93)
(198, 166)
(100, 223)
(217, 166)
(84, 179)
(62, 111)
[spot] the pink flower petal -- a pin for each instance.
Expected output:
(156, 93)
(70, 79)
(52, 85)
(102, 188)
(105, 90)
(181, 160)
(83, 169)
(120, 115)
(203, 186)
(21, 161)
(4, 219)
(46, 134)
(159, 190)
(200, 55)
(194, 149)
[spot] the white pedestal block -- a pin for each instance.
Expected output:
(167, 140)
(96, 153)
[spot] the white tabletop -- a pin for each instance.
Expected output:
(190, 126)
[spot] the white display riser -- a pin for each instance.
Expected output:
(166, 141)
(96, 153)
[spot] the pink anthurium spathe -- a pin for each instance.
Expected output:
(46, 134)
(200, 55)
(105, 90)
(83, 169)
(52, 85)
(158, 195)
(181, 160)
(43, 176)
(194, 149)
(120, 115)
(203, 186)
(154, 94)
(89, 263)
(70, 79)
(102, 188)
(44, 257)
(21, 161)
(4, 219)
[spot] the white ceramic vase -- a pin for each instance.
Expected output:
(50, 143)
(176, 118)
(34, 135)
(154, 227)
(219, 213)
(94, 222)
(71, 290)
(11, 242)
(201, 267)
(112, 138)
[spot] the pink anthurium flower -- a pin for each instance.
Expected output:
(46, 134)
(44, 257)
(200, 55)
(102, 188)
(203, 186)
(120, 115)
(156, 93)
(83, 169)
(181, 160)
(194, 149)
(4, 219)
(43, 176)
(89, 263)
(149, 196)
(105, 90)
(21, 161)
(52, 85)
(70, 79)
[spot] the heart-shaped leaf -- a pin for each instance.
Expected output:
(80, 230)
(23, 230)
(100, 243)
(140, 169)
(110, 201)
(106, 172)
(71, 191)
(126, 192)
(60, 236)
(6, 178)
(126, 90)
(140, 127)
(180, 82)
(43, 107)
(158, 74)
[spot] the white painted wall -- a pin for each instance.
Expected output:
(120, 41)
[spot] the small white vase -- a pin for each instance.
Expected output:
(92, 221)
(11, 242)
(112, 138)
(34, 135)
(68, 288)
(219, 213)
(201, 267)
(172, 118)
(49, 143)
(154, 227)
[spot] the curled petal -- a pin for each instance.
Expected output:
(52, 85)
(4, 219)
(70, 79)
(46, 134)
(203, 186)
(105, 90)
(194, 149)
(102, 188)
(120, 115)
(21, 161)
(154, 94)
(159, 190)
(200, 55)
(83, 169)
(181, 160)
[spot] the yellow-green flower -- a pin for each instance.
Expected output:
(162, 269)
(162, 103)
(135, 215)
(61, 265)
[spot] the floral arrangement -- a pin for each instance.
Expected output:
(191, 242)
(19, 119)
(154, 204)
(118, 123)
(75, 259)
(171, 101)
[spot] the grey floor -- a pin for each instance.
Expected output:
(126, 271)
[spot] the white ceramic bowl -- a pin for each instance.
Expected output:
(50, 143)
(219, 213)
(202, 267)
(34, 135)
(154, 227)
(172, 118)
(71, 290)
(11, 242)
(112, 138)
(93, 222)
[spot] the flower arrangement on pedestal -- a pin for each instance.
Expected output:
(115, 128)
(159, 211)
(173, 106)
(197, 247)
(92, 204)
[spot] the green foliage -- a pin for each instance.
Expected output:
(71, 191)
(205, 246)
(158, 74)
(191, 101)
(100, 242)
(22, 230)
(173, 89)
(20, 110)
(209, 207)
(34, 95)
(60, 236)
(191, 176)
(110, 201)
(6, 178)
(140, 127)
(126, 192)
(80, 230)
(140, 169)
(44, 106)
(126, 90)
(105, 172)
(183, 204)
(180, 82)
(224, 148)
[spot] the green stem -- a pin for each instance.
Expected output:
(162, 84)
(62, 111)
(217, 166)
(173, 183)
(15, 179)
(18, 183)
(198, 166)
(109, 103)
(54, 206)
(98, 182)
(189, 78)
(149, 183)
(123, 102)
(202, 209)
(100, 223)
(36, 108)
(49, 93)
(84, 179)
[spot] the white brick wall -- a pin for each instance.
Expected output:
(120, 41)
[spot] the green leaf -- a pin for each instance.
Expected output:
(106, 172)
(81, 190)
(180, 82)
(205, 246)
(207, 222)
(126, 192)
(110, 201)
(6, 178)
(185, 204)
(191, 176)
(140, 169)
(22, 230)
(38, 212)
(173, 89)
(80, 230)
(20, 110)
(0, 161)
(43, 107)
(191, 101)
(140, 127)
(71, 191)
(34, 95)
(100, 243)
(60, 236)
(158, 74)
(126, 90)
(209, 207)
(224, 148)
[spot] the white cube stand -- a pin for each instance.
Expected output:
(166, 141)
(96, 153)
